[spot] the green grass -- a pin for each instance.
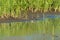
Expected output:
(48, 26)
(14, 7)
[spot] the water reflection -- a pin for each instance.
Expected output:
(30, 37)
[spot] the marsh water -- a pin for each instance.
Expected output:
(36, 36)
(32, 37)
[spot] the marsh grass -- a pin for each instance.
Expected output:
(14, 7)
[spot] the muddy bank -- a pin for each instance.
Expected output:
(29, 16)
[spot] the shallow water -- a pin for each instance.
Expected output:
(32, 37)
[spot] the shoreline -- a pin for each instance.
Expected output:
(30, 16)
